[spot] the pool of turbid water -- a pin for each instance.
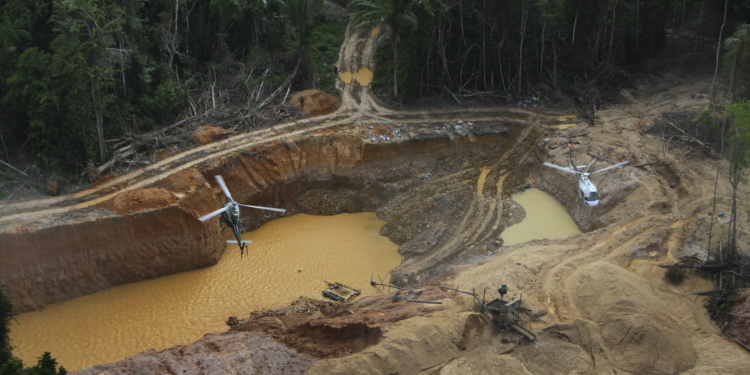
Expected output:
(178, 309)
(545, 218)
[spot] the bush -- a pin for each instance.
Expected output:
(46, 365)
(675, 275)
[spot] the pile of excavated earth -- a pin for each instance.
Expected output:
(442, 179)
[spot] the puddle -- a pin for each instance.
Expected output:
(363, 76)
(178, 309)
(545, 218)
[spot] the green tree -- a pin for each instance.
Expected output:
(299, 14)
(739, 158)
(46, 365)
(736, 44)
(12, 33)
(86, 54)
(393, 17)
(6, 314)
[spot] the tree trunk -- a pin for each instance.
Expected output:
(612, 33)
(395, 66)
(575, 22)
(524, 17)
(718, 50)
(637, 21)
(716, 184)
(541, 55)
(735, 71)
(99, 123)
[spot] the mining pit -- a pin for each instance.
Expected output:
(442, 180)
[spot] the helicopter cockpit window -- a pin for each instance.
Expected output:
(594, 196)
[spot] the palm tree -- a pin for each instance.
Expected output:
(300, 14)
(737, 43)
(12, 33)
(394, 17)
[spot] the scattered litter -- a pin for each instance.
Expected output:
(369, 127)
(471, 124)
(373, 139)
(458, 127)
(359, 124)
(437, 128)
(460, 122)
(721, 214)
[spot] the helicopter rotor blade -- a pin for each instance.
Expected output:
(561, 168)
(612, 166)
(212, 214)
(264, 208)
(223, 186)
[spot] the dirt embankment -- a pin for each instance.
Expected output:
(146, 233)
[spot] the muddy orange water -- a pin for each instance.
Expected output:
(178, 309)
(363, 76)
(545, 218)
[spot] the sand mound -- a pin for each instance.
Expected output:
(316, 102)
(208, 134)
(183, 181)
(639, 332)
(138, 201)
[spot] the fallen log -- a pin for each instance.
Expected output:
(739, 343)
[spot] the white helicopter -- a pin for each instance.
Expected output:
(230, 214)
(587, 189)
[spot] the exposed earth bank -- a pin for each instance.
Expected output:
(599, 301)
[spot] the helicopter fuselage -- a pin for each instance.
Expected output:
(588, 191)
(231, 215)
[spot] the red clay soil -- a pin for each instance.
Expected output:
(317, 102)
(183, 181)
(138, 201)
(208, 134)
(329, 329)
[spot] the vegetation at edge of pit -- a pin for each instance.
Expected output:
(583, 49)
(46, 365)
(74, 74)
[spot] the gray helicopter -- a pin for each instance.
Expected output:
(230, 215)
(588, 191)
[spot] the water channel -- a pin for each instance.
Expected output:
(288, 258)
